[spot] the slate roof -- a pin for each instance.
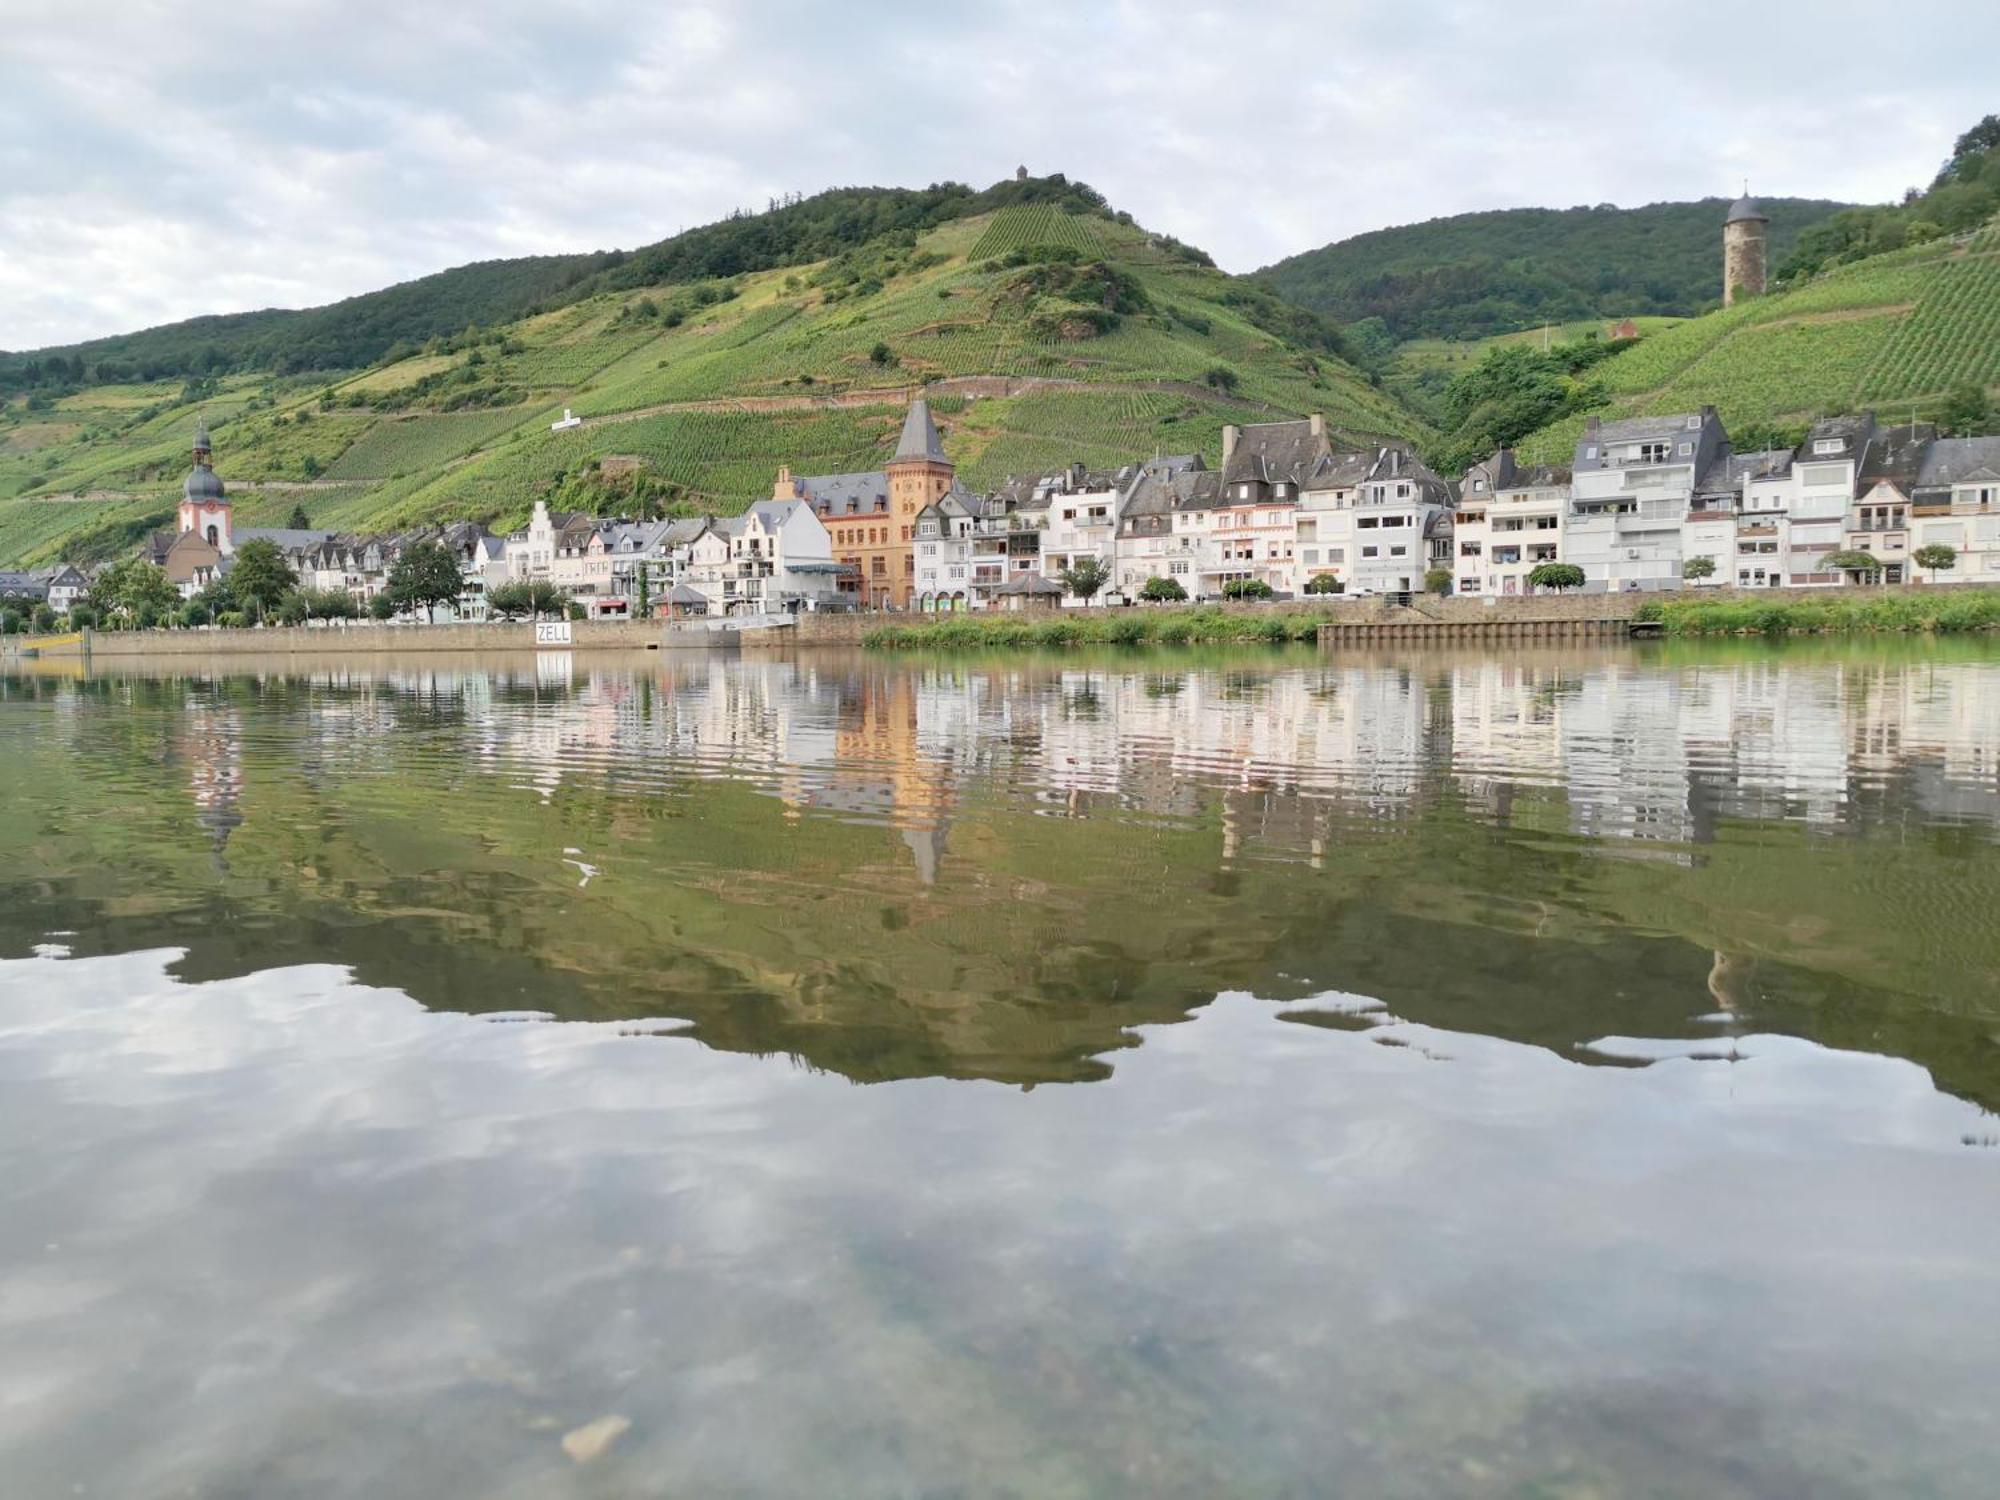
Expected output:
(844, 494)
(1745, 210)
(1725, 476)
(22, 586)
(920, 436)
(1895, 456)
(1705, 434)
(287, 538)
(1960, 461)
(1277, 453)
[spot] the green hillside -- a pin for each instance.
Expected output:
(1897, 332)
(1043, 337)
(1474, 275)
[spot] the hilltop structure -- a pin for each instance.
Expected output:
(1745, 250)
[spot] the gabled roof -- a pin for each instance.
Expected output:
(1277, 453)
(1896, 456)
(920, 437)
(1960, 461)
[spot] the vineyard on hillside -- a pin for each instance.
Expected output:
(713, 386)
(1903, 328)
(1036, 224)
(1954, 334)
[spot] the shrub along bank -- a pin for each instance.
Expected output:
(1941, 610)
(1125, 627)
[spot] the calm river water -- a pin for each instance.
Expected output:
(1538, 1074)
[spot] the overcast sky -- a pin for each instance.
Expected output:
(161, 159)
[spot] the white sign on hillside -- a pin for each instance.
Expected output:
(552, 633)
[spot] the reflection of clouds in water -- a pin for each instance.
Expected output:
(310, 1238)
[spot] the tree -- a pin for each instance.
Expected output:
(1323, 583)
(1085, 577)
(1246, 588)
(643, 604)
(382, 607)
(425, 576)
(1557, 575)
(881, 354)
(1697, 568)
(261, 577)
(1162, 591)
(1856, 564)
(299, 520)
(524, 596)
(1438, 581)
(1937, 557)
(293, 609)
(126, 590)
(44, 619)
(1966, 411)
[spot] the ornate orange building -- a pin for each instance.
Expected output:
(871, 517)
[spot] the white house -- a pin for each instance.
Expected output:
(1632, 487)
(1957, 504)
(1399, 507)
(776, 556)
(1509, 522)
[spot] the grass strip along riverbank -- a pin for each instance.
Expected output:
(1941, 611)
(1123, 627)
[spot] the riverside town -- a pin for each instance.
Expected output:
(1311, 810)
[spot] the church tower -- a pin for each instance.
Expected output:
(1745, 261)
(919, 475)
(204, 502)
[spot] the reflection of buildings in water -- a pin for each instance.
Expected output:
(208, 741)
(1627, 748)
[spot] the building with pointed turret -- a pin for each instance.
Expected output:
(871, 517)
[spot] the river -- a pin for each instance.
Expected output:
(1529, 1073)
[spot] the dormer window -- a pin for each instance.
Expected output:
(1825, 447)
(1653, 453)
(1686, 449)
(1590, 452)
(1694, 424)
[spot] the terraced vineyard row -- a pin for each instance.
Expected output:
(1036, 224)
(403, 445)
(1953, 336)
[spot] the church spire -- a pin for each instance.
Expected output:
(920, 442)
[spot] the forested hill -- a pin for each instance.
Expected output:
(1474, 275)
(359, 331)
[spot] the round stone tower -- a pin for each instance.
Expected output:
(1745, 255)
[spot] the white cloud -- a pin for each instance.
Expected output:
(159, 161)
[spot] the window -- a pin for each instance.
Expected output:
(1177, 567)
(1468, 585)
(1371, 551)
(1339, 554)
(1470, 549)
(1477, 486)
(1367, 523)
(1399, 551)
(1654, 453)
(1825, 446)
(1686, 449)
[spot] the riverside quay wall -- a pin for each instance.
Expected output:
(343, 640)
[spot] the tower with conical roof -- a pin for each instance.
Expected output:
(1745, 252)
(204, 502)
(919, 475)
